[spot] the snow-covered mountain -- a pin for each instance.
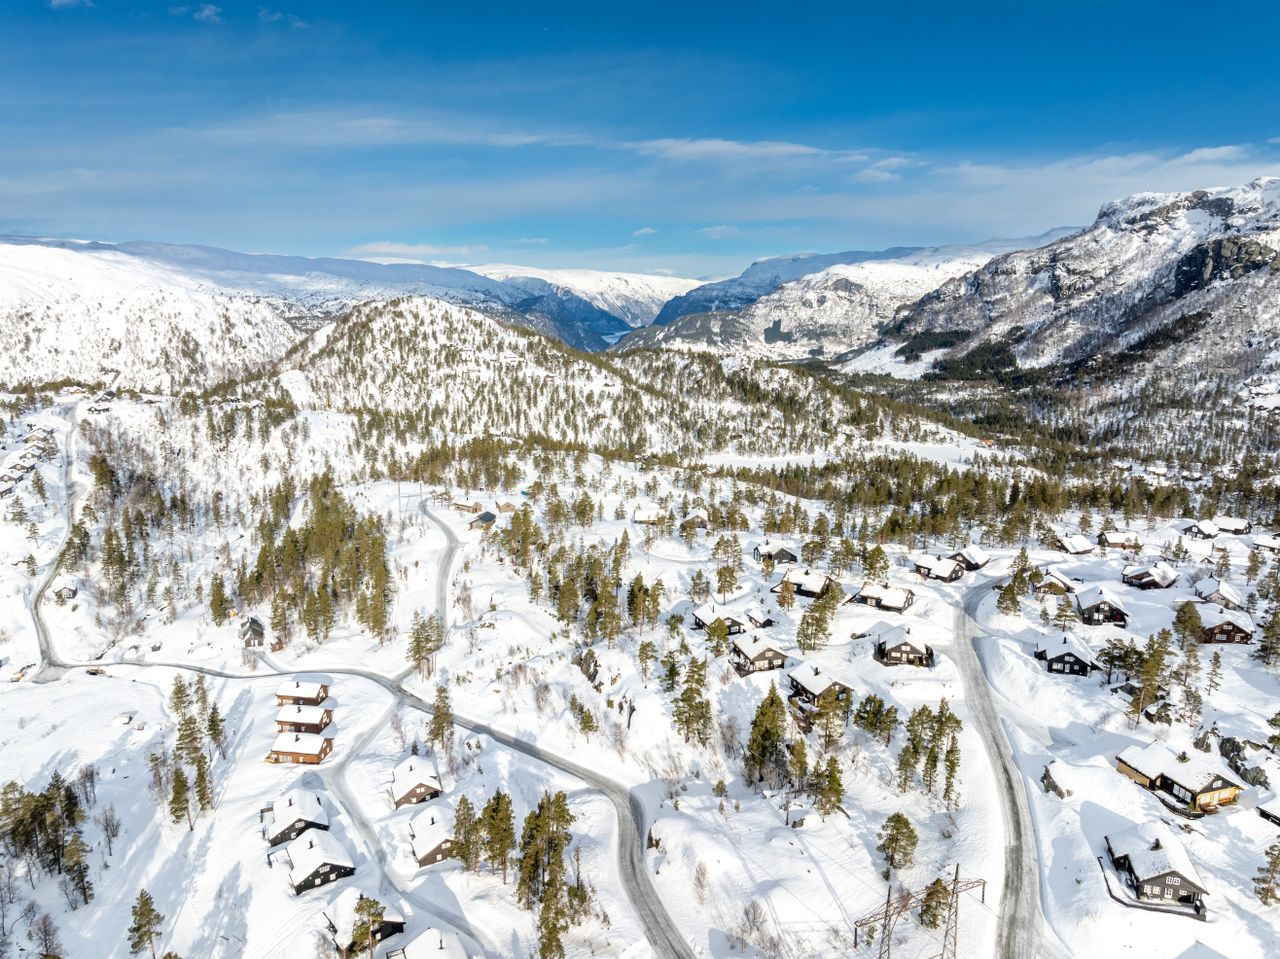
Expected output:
(1179, 278)
(192, 315)
(634, 298)
(840, 307)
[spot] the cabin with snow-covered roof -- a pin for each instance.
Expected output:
(1158, 575)
(1155, 864)
(431, 833)
(777, 552)
(316, 859)
(340, 921)
(806, 583)
(1221, 625)
(1201, 529)
(303, 719)
(939, 567)
(308, 749)
(1099, 606)
(413, 781)
(752, 655)
(1071, 543)
(290, 815)
(1070, 656)
(813, 687)
(710, 613)
(1213, 590)
(1197, 782)
(300, 692)
(895, 599)
(972, 558)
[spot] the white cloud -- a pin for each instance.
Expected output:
(645, 231)
(721, 232)
(208, 13)
(532, 240)
(713, 148)
(267, 15)
(69, 4)
(408, 252)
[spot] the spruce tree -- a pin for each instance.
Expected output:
(763, 755)
(499, 832)
(204, 788)
(440, 729)
(466, 834)
(937, 897)
(179, 698)
(180, 799)
(76, 866)
(146, 924)
(1266, 882)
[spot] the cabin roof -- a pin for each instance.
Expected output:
(313, 849)
(305, 689)
(1154, 850)
(414, 771)
(301, 714)
(295, 804)
(1157, 759)
(308, 744)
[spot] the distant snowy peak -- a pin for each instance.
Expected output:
(1158, 278)
(634, 298)
(832, 307)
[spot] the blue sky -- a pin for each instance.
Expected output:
(689, 138)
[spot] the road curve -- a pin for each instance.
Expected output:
(1021, 924)
(661, 931)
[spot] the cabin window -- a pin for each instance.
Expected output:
(1175, 881)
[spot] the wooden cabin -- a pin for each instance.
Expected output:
(814, 688)
(1196, 782)
(340, 920)
(807, 583)
(1154, 863)
(774, 551)
(1222, 625)
(972, 558)
(413, 782)
(431, 834)
(298, 692)
(290, 815)
(1070, 656)
(307, 749)
(895, 647)
(1155, 576)
(750, 655)
(317, 859)
(1099, 606)
(940, 568)
(251, 631)
(303, 719)
(708, 613)
(895, 599)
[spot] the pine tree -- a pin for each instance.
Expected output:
(786, 595)
(1268, 651)
(204, 789)
(1007, 602)
(897, 842)
(1187, 625)
(216, 730)
(76, 865)
(718, 637)
(467, 837)
(951, 762)
(146, 925)
(692, 712)
(188, 742)
(179, 698)
(829, 788)
(440, 729)
(937, 897)
(180, 799)
(499, 832)
(367, 924)
(906, 768)
(646, 655)
(1065, 614)
(1266, 882)
(798, 763)
(763, 756)
(218, 605)
(1214, 680)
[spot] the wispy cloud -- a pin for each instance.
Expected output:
(69, 4)
(532, 241)
(390, 248)
(267, 15)
(713, 148)
(645, 231)
(721, 232)
(203, 12)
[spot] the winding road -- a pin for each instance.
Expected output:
(660, 930)
(1021, 926)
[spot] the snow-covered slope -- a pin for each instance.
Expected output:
(65, 313)
(170, 316)
(1176, 278)
(822, 314)
(634, 298)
